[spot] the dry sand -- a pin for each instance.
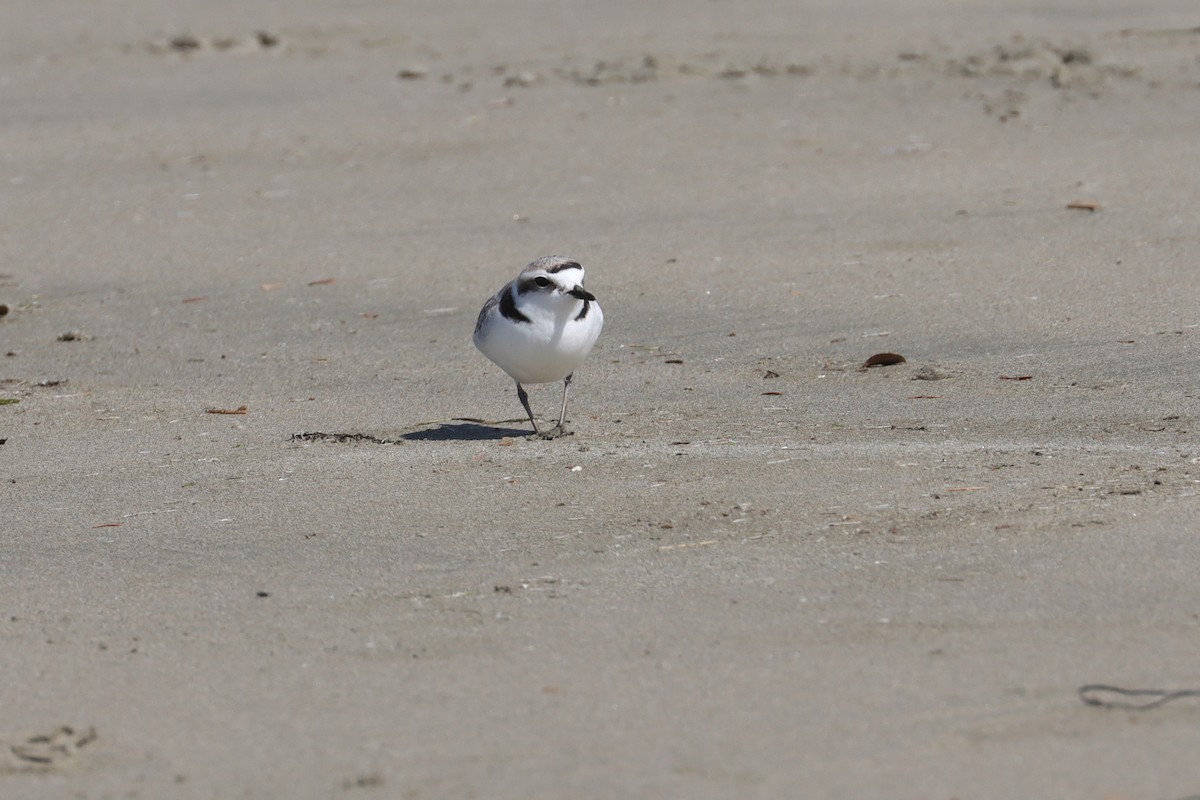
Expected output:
(755, 570)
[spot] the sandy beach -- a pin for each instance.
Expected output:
(271, 526)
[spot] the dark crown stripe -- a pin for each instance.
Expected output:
(564, 265)
(508, 308)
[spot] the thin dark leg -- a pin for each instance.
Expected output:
(524, 397)
(562, 415)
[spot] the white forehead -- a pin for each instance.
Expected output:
(560, 269)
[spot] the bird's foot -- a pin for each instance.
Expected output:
(551, 433)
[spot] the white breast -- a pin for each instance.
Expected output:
(546, 349)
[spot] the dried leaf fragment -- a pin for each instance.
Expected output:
(238, 410)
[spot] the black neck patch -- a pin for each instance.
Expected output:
(583, 311)
(509, 310)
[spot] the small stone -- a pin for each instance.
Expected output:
(412, 73)
(523, 79)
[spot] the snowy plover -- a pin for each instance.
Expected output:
(540, 327)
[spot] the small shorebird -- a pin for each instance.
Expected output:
(539, 328)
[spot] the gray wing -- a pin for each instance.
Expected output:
(488, 309)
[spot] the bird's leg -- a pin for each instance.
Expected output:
(562, 414)
(558, 430)
(524, 397)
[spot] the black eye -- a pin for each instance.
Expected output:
(542, 281)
